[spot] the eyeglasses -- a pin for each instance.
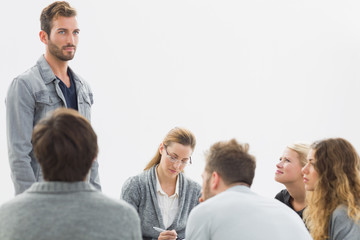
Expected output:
(175, 160)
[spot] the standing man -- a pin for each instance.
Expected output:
(231, 210)
(65, 206)
(48, 85)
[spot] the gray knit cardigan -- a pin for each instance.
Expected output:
(140, 191)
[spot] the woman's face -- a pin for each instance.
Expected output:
(310, 174)
(174, 158)
(289, 168)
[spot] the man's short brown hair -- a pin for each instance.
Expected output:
(231, 161)
(52, 12)
(65, 145)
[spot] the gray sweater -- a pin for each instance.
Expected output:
(140, 191)
(67, 211)
(341, 227)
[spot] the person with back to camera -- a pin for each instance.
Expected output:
(162, 195)
(230, 210)
(65, 206)
(332, 177)
(289, 173)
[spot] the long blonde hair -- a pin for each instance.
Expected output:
(175, 135)
(338, 167)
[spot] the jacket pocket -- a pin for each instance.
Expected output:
(46, 101)
(85, 100)
(47, 98)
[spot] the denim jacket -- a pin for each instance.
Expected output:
(30, 97)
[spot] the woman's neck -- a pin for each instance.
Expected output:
(167, 184)
(297, 192)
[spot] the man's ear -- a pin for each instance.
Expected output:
(43, 37)
(215, 181)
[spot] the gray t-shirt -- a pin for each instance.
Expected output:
(341, 227)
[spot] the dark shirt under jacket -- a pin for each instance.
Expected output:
(284, 197)
(69, 93)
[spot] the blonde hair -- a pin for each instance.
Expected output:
(302, 149)
(175, 135)
(338, 167)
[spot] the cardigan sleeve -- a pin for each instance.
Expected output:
(130, 192)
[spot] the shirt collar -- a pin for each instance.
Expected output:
(61, 187)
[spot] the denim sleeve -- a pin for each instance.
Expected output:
(84, 105)
(20, 107)
(94, 175)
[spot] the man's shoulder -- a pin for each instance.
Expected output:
(30, 75)
(21, 201)
(211, 206)
(240, 198)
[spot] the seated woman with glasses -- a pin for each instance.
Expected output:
(332, 177)
(162, 195)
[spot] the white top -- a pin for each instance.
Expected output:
(239, 213)
(169, 206)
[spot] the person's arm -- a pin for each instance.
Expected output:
(130, 192)
(20, 107)
(94, 175)
(85, 94)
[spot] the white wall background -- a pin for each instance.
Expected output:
(264, 72)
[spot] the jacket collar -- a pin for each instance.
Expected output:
(46, 72)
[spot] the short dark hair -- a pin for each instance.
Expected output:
(65, 145)
(231, 161)
(52, 12)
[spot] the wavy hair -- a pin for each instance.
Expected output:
(175, 135)
(338, 167)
